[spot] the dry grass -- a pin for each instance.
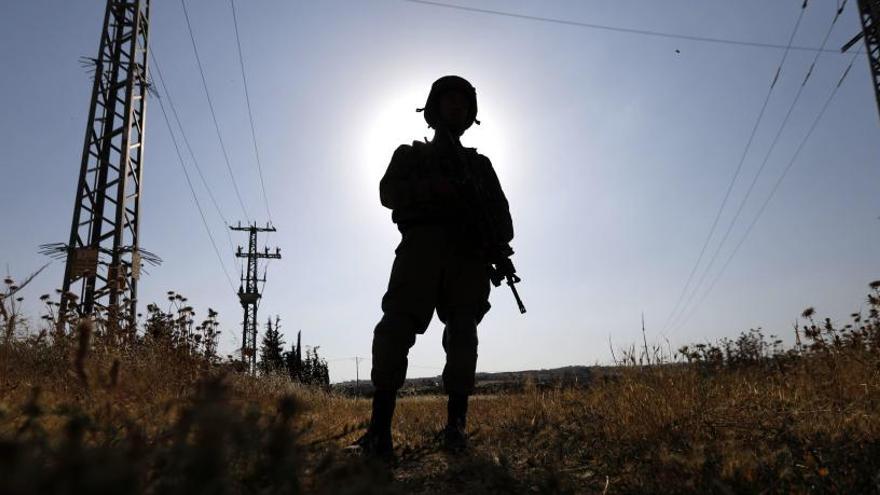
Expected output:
(77, 415)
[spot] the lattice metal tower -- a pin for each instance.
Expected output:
(103, 256)
(869, 13)
(248, 293)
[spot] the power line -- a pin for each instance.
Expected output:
(618, 29)
(250, 112)
(193, 155)
(763, 165)
(252, 126)
(213, 113)
(684, 291)
(189, 183)
(775, 187)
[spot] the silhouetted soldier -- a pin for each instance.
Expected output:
(456, 227)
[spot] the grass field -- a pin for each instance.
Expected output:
(82, 414)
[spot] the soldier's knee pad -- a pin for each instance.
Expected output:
(461, 331)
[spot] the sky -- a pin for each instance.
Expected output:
(615, 151)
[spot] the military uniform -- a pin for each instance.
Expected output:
(442, 261)
(455, 222)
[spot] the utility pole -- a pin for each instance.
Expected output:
(248, 293)
(869, 15)
(357, 375)
(103, 255)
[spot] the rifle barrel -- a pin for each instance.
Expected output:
(522, 307)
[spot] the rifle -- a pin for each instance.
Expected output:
(504, 269)
(499, 253)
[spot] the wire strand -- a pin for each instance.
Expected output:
(191, 188)
(193, 156)
(250, 111)
(672, 315)
(618, 29)
(213, 113)
(776, 185)
(758, 174)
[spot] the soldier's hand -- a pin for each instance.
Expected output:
(505, 267)
(500, 254)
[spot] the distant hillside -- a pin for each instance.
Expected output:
(491, 383)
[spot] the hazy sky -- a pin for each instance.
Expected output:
(614, 150)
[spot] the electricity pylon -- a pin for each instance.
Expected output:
(248, 293)
(103, 255)
(869, 13)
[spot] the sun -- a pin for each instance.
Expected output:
(393, 121)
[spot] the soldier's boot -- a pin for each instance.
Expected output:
(454, 437)
(376, 442)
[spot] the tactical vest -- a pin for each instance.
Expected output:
(472, 218)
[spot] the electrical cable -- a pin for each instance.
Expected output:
(191, 188)
(756, 177)
(250, 112)
(213, 113)
(605, 27)
(684, 291)
(193, 157)
(775, 186)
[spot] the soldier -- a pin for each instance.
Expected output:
(455, 224)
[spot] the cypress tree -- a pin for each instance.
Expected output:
(272, 348)
(293, 360)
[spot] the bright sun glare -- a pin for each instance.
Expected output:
(394, 121)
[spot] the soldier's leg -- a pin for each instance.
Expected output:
(460, 343)
(464, 302)
(392, 339)
(394, 335)
(408, 306)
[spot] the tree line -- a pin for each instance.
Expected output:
(310, 369)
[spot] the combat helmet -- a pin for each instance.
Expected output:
(443, 85)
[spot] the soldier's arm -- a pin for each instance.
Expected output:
(402, 188)
(397, 187)
(498, 204)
